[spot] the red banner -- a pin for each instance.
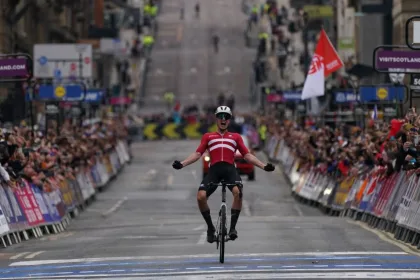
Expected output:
(27, 202)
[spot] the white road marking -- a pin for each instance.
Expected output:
(202, 238)
(298, 210)
(245, 207)
(264, 266)
(252, 274)
(288, 266)
(170, 180)
(193, 70)
(192, 268)
(115, 207)
(357, 265)
(177, 257)
(87, 271)
(117, 270)
(19, 255)
(33, 255)
(199, 228)
(159, 72)
(216, 267)
(240, 266)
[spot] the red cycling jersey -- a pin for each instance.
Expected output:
(222, 147)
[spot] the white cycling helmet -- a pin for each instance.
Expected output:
(223, 109)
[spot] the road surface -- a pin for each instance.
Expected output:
(147, 224)
(183, 59)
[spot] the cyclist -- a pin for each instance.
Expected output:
(222, 146)
(197, 10)
(216, 40)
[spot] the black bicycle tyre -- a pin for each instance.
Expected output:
(222, 233)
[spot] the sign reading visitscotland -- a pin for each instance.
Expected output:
(397, 59)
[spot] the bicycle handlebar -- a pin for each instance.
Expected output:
(225, 184)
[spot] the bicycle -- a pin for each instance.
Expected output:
(221, 225)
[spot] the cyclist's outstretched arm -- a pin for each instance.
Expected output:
(254, 160)
(191, 159)
(247, 155)
(197, 155)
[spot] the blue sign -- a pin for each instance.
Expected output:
(47, 92)
(43, 60)
(381, 94)
(346, 96)
(292, 95)
(94, 95)
(57, 73)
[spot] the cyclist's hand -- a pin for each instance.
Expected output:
(269, 167)
(177, 164)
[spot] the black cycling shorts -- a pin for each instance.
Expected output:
(221, 171)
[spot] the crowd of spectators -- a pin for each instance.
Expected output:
(350, 150)
(38, 156)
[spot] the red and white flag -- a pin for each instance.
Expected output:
(324, 62)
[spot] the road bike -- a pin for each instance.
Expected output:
(221, 225)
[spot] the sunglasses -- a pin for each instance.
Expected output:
(223, 116)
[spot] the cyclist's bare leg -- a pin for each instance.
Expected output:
(205, 212)
(235, 211)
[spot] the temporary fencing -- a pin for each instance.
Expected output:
(386, 202)
(29, 211)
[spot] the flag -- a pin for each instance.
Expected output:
(324, 62)
(375, 113)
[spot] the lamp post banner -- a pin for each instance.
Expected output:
(386, 59)
(13, 67)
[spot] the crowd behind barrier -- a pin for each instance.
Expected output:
(387, 201)
(43, 202)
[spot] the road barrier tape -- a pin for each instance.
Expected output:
(173, 131)
(30, 211)
(387, 202)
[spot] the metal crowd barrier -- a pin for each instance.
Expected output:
(389, 203)
(28, 211)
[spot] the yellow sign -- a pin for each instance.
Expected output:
(382, 93)
(319, 11)
(169, 131)
(149, 132)
(191, 131)
(60, 92)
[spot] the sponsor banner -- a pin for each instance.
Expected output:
(13, 67)
(42, 204)
(386, 59)
(94, 95)
(4, 227)
(120, 101)
(386, 94)
(274, 98)
(66, 93)
(29, 205)
(346, 96)
(292, 95)
(19, 216)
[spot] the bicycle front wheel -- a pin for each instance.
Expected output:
(222, 233)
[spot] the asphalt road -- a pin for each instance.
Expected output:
(183, 59)
(146, 224)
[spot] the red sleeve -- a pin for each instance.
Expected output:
(241, 146)
(203, 145)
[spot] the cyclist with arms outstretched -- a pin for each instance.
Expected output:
(222, 146)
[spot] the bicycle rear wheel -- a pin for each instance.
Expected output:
(222, 233)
